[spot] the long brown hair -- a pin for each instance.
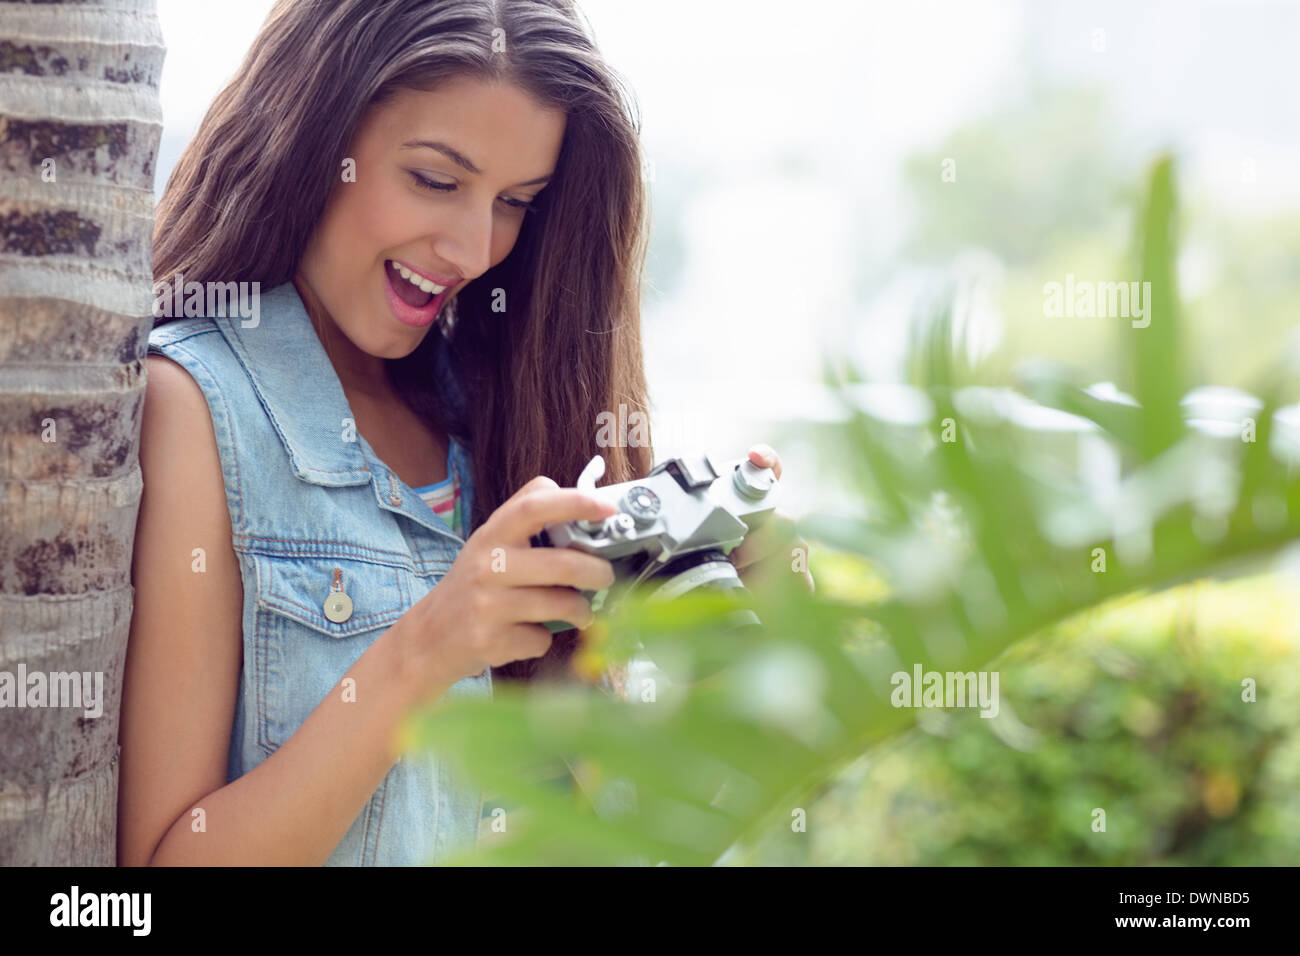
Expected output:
(247, 192)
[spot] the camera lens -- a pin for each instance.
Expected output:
(704, 569)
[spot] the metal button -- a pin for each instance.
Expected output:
(338, 606)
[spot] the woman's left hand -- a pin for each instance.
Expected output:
(769, 549)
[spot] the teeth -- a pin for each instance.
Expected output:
(421, 283)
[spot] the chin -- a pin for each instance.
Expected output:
(408, 340)
(400, 349)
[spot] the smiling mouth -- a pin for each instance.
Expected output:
(412, 293)
(414, 299)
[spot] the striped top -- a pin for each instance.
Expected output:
(443, 498)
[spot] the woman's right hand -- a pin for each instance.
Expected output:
(487, 609)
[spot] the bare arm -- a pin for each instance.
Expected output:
(182, 678)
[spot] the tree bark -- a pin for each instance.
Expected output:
(80, 122)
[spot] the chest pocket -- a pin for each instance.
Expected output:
(300, 652)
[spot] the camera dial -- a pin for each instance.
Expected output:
(642, 504)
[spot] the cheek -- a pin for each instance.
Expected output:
(336, 241)
(382, 216)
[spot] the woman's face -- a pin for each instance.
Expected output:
(441, 183)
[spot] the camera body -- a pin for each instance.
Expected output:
(676, 526)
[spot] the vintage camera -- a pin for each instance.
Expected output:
(674, 528)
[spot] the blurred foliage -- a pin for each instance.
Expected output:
(1135, 708)
(976, 535)
(1028, 179)
(1045, 187)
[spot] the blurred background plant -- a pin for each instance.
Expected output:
(987, 541)
(1135, 708)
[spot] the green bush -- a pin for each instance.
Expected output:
(1136, 708)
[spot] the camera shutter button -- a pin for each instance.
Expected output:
(620, 525)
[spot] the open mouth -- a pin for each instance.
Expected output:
(414, 299)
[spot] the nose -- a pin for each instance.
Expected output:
(465, 241)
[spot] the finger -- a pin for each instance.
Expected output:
(528, 641)
(759, 542)
(541, 481)
(555, 567)
(536, 605)
(765, 456)
(772, 535)
(528, 514)
(740, 557)
(765, 571)
(756, 544)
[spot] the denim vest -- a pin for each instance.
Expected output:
(310, 502)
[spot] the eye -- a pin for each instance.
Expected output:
(425, 183)
(519, 204)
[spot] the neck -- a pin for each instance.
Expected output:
(358, 372)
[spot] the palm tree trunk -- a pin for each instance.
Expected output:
(80, 122)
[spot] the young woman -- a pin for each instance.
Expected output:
(441, 204)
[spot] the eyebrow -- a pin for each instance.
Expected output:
(459, 159)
